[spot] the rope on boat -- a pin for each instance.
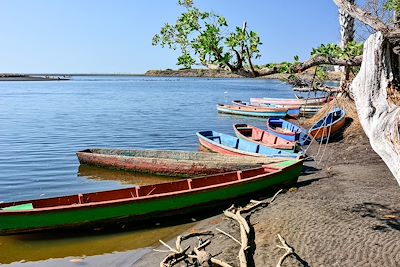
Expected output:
(320, 143)
(329, 134)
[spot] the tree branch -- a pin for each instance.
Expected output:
(366, 18)
(320, 60)
(362, 16)
(312, 62)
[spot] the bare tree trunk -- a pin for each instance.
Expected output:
(379, 118)
(346, 35)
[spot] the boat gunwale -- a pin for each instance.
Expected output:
(215, 155)
(242, 152)
(342, 116)
(291, 101)
(282, 132)
(261, 109)
(275, 171)
(290, 147)
(241, 103)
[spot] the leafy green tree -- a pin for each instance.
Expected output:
(205, 36)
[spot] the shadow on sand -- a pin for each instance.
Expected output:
(385, 217)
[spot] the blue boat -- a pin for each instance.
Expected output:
(231, 145)
(330, 125)
(288, 131)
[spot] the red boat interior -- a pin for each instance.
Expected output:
(140, 192)
(258, 135)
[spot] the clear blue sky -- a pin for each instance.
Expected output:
(114, 36)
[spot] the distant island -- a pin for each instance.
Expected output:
(219, 73)
(203, 73)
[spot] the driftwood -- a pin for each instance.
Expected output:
(289, 251)
(245, 229)
(205, 259)
(179, 253)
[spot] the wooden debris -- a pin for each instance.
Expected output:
(204, 259)
(289, 251)
(178, 254)
(236, 214)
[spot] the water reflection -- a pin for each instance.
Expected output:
(124, 177)
(34, 247)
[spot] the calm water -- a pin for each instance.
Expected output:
(43, 124)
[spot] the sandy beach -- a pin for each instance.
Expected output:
(347, 213)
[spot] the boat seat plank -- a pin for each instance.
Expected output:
(213, 138)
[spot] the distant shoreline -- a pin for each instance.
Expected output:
(196, 73)
(25, 77)
(205, 73)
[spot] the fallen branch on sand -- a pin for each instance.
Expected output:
(235, 214)
(289, 251)
(198, 254)
(203, 258)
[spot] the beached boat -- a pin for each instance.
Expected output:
(143, 203)
(252, 111)
(231, 145)
(293, 102)
(259, 136)
(329, 125)
(288, 131)
(166, 162)
(309, 110)
(293, 111)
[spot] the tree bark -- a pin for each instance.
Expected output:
(346, 36)
(379, 118)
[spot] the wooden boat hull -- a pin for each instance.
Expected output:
(293, 111)
(143, 203)
(166, 162)
(329, 125)
(258, 136)
(229, 145)
(294, 102)
(252, 111)
(287, 131)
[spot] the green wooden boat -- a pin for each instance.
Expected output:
(145, 202)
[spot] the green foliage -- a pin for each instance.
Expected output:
(320, 75)
(205, 36)
(283, 67)
(352, 50)
(392, 5)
